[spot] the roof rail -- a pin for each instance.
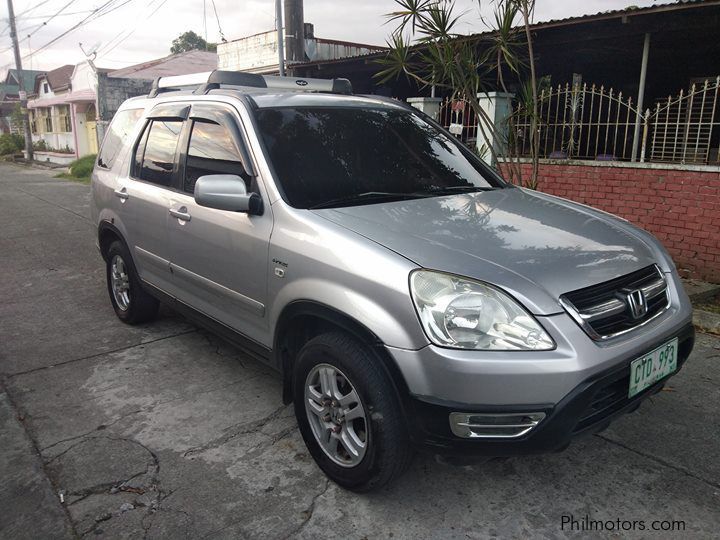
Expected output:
(214, 79)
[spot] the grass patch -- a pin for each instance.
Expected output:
(80, 169)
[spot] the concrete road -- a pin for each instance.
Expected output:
(163, 431)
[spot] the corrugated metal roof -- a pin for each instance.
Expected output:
(175, 64)
(569, 21)
(631, 11)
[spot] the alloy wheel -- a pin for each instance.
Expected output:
(120, 282)
(336, 415)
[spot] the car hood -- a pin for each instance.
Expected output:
(533, 245)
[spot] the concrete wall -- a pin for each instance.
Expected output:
(679, 205)
(259, 54)
(253, 53)
(112, 92)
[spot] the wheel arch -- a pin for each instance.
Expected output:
(302, 320)
(107, 234)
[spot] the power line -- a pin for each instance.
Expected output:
(222, 36)
(103, 10)
(205, 22)
(39, 26)
(59, 15)
(28, 10)
(105, 50)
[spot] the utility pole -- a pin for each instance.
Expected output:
(21, 83)
(280, 38)
(294, 32)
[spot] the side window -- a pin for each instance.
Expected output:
(155, 154)
(212, 150)
(118, 132)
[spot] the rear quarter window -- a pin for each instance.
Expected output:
(120, 129)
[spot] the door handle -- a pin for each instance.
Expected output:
(181, 213)
(122, 193)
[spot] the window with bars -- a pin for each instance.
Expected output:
(33, 122)
(41, 121)
(62, 122)
(47, 122)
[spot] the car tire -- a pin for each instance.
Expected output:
(132, 304)
(369, 423)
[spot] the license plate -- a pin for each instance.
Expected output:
(652, 367)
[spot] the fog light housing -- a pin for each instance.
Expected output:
(494, 426)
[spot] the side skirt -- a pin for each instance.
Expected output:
(253, 348)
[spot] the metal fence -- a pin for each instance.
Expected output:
(459, 117)
(686, 128)
(580, 122)
(598, 123)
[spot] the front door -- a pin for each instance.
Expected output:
(219, 258)
(91, 129)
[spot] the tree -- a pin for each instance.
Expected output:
(425, 48)
(17, 118)
(190, 41)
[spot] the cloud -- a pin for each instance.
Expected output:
(142, 30)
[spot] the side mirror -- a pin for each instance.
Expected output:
(227, 192)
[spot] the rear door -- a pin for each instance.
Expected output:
(219, 258)
(148, 192)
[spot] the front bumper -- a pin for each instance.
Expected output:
(530, 377)
(588, 408)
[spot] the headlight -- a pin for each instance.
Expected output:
(466, 314)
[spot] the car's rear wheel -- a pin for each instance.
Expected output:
(129, 300)
(349, 413)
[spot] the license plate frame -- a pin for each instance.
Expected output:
(652, 367)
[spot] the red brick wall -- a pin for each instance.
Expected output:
(680, 207)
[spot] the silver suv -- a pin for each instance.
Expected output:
(408, 296)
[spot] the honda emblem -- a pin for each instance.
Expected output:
(636, 303)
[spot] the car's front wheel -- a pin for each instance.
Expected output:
(349, 413)
(132, 304)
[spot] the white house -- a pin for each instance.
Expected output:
(50, 117)
(71, 104)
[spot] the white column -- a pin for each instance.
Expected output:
(498, 107)
(428, 105)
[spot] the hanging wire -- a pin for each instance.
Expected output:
(222, 36)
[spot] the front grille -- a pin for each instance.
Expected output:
(605, 310)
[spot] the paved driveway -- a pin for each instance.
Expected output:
(163, 431)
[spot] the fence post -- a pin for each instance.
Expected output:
(498, 107)
(428, 105)
(645, 135)
(641, 94)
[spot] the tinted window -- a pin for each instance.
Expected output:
(327, 156)
(120, 129)
(212, 150)
(157, 161)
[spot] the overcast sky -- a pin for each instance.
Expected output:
(140, 30)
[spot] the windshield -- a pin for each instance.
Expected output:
(332, 157)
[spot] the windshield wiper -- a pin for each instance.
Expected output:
(386, 195)
(459, 189)
(367, 196)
